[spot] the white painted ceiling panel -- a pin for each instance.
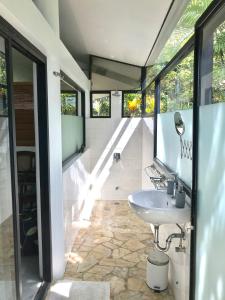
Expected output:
(123, 30)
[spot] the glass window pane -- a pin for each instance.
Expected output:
(69, 103)
(211, 163)
(176, 88)
(3, 102)
(180, 35)
(100, 105)
(3, 85)
(7, 263)
(218, 75)
(132, 104)
(2, 66)
(72, 119)
(150, 100)
(111, 75)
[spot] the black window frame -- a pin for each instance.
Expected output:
(91, 104)
(211, 12)
(181, 54)
(196, 42)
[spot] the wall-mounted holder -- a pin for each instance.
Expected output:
(186, 149)
(158, 179)
(116, 156)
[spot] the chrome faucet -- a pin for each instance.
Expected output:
(174, 182)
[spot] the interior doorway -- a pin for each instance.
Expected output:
(27, 161)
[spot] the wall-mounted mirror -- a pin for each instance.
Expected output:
(179, 124)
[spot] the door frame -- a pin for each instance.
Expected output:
(208, 15)
(13, 39)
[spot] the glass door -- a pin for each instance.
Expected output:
(25, 103)
(210, 235)
(7, 261)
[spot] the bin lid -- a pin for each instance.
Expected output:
(158, 258)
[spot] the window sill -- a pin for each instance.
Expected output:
(70, 160)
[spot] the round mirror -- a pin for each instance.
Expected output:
(179, 124)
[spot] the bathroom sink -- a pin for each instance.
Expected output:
(157, 207)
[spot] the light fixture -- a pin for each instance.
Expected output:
(58, 74)
(116, 94)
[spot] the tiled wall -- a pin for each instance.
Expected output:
(75, 193)
(147, 151)
(116, 180)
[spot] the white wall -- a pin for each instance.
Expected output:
(76, 182)
(105, 136)
(29, 21)
(147, 150)
(50, 12)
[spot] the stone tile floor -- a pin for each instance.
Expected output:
(114, 248)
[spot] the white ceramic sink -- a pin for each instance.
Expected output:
(157, 207)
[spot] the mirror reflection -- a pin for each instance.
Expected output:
(179, 124)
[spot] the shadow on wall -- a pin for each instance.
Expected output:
(102, 169)
(82, 186)
(147, 150)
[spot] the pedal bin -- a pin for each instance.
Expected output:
(157, 270)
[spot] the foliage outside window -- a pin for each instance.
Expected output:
(2, 68)
(180, 35)
(69, 102)
(132, 104)
(150, 100)
(176, 87)
(100, 104)
(3, 86)
(3, 102)
(218, 75)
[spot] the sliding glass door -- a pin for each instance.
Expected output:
(24, 103)
(24, 169)
(210, 241)
(7, 261)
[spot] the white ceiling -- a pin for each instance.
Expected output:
(123, 30)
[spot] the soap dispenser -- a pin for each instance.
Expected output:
(180, 197)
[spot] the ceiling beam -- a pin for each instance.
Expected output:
(115, 76)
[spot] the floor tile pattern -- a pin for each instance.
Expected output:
(114, 248)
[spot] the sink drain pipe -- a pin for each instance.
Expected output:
(172, 236)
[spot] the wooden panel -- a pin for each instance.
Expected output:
(23, 95)
(25, 134)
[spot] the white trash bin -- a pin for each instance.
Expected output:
(157, 270)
